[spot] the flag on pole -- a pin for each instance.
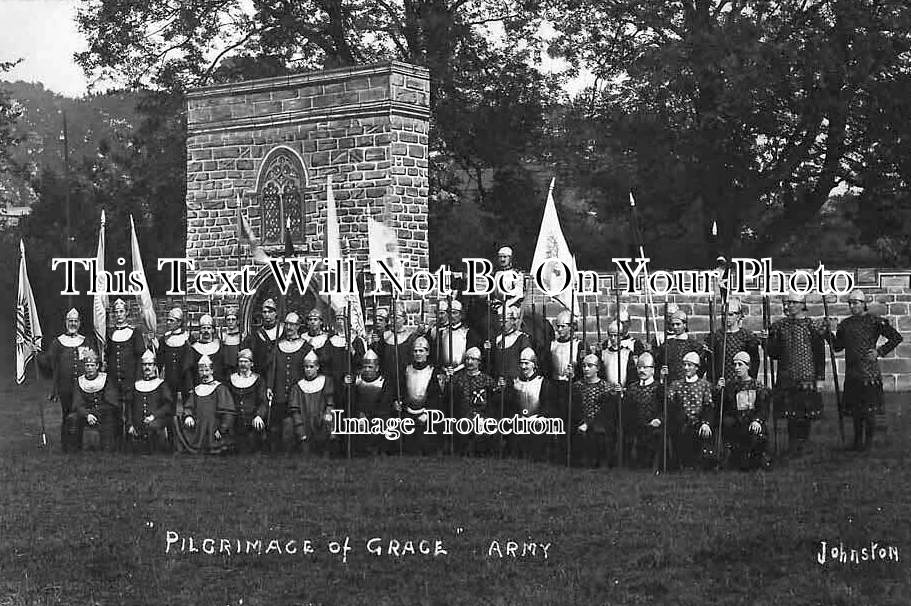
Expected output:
(245, 236)
(100, 299)
(28, 328)
(384, 246)
(340, 301)
(143, 297)
(552, 252)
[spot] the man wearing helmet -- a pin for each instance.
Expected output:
(798, 344)
(61, 360)
(858, 335)
(691, 408)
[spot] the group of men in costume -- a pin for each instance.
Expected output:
(622, 400)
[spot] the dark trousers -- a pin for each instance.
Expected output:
(108, 427)
(691, 450)
(747, 449)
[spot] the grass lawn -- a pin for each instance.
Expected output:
(94, 528)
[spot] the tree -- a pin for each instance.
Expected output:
(748, 112)
(487, 103)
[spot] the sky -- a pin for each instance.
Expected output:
(43, 33)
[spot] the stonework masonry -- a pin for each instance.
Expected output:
(275, 143)
(889, 290)
(365, 126)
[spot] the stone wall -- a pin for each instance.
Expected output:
(890, 291)
(365, 126)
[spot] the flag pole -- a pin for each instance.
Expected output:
(398, 384)
(569, 407)
(620, 385)
(450, 364)
(348, 348)
(664, 398)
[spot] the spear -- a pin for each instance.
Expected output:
(766, 319)
(569, 408)
(348, 347)
(450, 363)
(489, 349)
(838, 400)
(712, 337)
(724, 345)
(584, 332)
(502, 367)
(395, 353)
(598, 322)
(620, 383)
(664, 420)
(648, 294)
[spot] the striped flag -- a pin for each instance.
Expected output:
(100, 299)
(146, 307)
(28, 328)
(334, 253)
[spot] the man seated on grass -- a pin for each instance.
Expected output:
(645, 399)
(151, 411)
(746, 415)
(690, 400)
(371, 398)
(310, 406)
(532, 395)
(594, 420)
(95, 405)
(475, 394)
(420, 384)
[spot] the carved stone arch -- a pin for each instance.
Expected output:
(264, 287)
(281, 185)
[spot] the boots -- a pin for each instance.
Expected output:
(858, 434)
(869, 430)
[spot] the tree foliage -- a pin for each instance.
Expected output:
(748, 112)
(487, 102)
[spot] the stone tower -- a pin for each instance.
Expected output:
(274, 142)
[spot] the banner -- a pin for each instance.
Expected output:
(552, 252)
(28, 328)
(384, 246)
(100, 301)
(338, 300)
(144, 298)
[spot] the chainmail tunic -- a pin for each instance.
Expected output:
(857, 335)
(676, 349)
(591, 398)
(797, 344)
(742, 340)
(647, 401)
(473, 393)
(694, 399)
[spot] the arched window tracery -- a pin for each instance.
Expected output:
(281, 188)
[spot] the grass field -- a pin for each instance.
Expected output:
(93, 529)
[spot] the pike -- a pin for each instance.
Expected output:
(502, 367)
(395, 353)
(766, 360)
(349, 347)
(648, 293)
(451, 365)
(569, 407)
(620, 385)
(664, 420)
(838, 398)
(724, 345)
